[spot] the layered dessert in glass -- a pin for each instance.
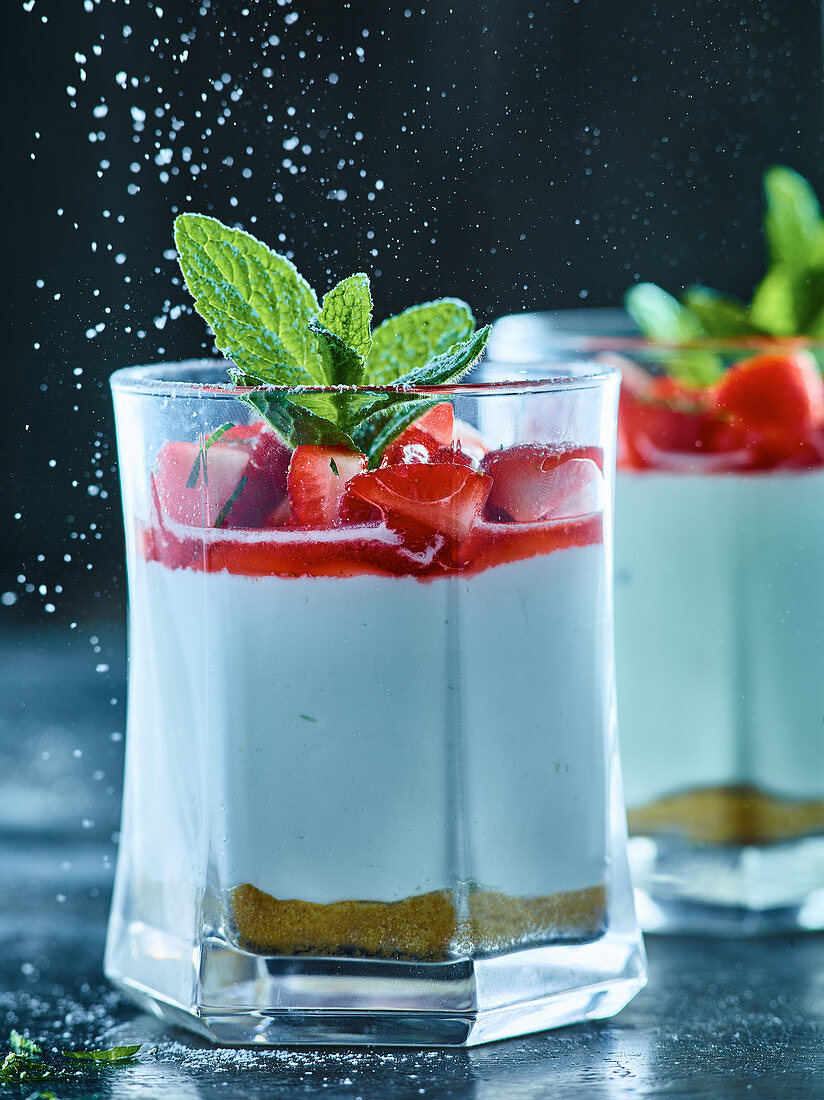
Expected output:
(719, 604)
(372, 790)
(720, 641)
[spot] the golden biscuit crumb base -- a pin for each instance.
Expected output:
(728, 815)
(424, 928)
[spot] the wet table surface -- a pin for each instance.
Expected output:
(719, 1018)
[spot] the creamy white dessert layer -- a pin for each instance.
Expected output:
(719, 619)
(375, 737)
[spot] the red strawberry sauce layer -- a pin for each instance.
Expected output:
(764, 413)
(431, 509)
(362, 550)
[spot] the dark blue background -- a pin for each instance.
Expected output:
(532, 155)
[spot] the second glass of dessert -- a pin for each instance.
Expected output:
(719, 603)
(719, 577)
(372, 785)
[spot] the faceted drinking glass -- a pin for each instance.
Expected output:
(719, 606)
(372, 788)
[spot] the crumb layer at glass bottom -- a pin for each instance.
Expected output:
(719, 649)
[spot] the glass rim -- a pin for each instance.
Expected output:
(144, 380)
(568, 341)
(587, 330)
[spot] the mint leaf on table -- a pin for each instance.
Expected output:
(21, 1068)
(19, 1044)
(113, 1054)
(26, 1063)
(267, 320)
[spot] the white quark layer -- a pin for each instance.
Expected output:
(374, 737)
(719, 609)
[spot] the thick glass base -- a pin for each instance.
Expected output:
(728, 889)
(238, 998)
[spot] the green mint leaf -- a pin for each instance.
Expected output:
(409, 340)
(342, 364)
(387, 416)
(20, 1045)
(792, 221)
(663, 319)
(774, 307)
(114, 1054)
(347, 313)
(443, 369)
(660, 317)
(451, 365)
(254, 300)
(376, 435)
(296, 423)
(323, 405)
(717, 314)
(266, 318)
(333, 466)
(19, 1068)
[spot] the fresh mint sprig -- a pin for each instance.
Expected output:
(787, 301)
(267, 319)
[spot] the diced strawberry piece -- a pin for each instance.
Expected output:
(201, 503)
(265, 480)
(777, 396)
(423, 437)
(280, 516)
(255, 462)
(437, 497)
(666, 425)
(439, 422)
(469, 440)
(532, 483)
(765, 412)
(452, 455)
(412, 445)
(317, 480)
(242, 432)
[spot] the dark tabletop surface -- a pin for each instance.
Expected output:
(719, 1018)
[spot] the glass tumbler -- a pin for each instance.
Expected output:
(372, 789)
(719, 606)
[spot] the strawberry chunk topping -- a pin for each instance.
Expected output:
(439, 497)
(766, 412)
(531, 483)
(439, 422)
(777, 396)
(423, 438)
(317, 481)
(319, 511)
(265, 488)
(244, 479)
